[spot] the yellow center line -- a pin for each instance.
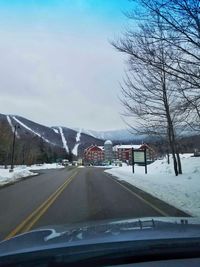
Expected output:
(27, 224)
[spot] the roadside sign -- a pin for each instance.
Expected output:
(139, 156)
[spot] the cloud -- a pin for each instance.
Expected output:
(67, 75)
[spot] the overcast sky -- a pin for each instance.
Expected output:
(57, 66)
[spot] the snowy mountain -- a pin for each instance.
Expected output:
(57, 136)
(128, 135)
(122, 135)
(75, 140)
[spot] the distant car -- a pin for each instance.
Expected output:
(65, 162)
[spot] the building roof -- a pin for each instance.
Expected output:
(93, 148)
(127, 147)
(108, 142)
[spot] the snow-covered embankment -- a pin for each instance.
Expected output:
(21, 172)
(182, 192)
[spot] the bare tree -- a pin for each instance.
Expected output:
(150, 95)
(181, 23)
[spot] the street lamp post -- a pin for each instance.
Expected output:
(13, 147)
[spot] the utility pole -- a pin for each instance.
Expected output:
(13, 147)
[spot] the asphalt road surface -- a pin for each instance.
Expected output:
(66, 196)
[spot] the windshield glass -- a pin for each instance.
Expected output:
(99, 112)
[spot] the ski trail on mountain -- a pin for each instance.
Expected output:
(31, 130)
(64, 141)
(78, 138)
(11, 125)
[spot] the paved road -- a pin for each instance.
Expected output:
(68, 196)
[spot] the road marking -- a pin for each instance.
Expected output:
(141, 198)
(28, 223)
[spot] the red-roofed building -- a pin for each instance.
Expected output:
(124, 152)
(93, 155)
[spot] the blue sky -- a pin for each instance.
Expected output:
(57, 66)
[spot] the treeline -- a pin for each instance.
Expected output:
(161, 89)
(27, 151)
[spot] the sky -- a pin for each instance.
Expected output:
(57, 65)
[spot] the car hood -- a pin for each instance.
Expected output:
(102, 232)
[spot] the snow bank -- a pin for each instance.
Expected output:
(23, 171)
(182, 192)
(45, 166)
(7, 177)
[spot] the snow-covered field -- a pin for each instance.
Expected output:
(20, 172)
(182, 192)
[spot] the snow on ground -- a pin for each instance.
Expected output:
(64, 141)
(7, 177)
(45, 166)
(23, 171)
(182, 191)
(106, 166)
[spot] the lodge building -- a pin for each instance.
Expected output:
(96, 155)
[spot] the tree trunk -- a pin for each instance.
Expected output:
(172, 144)
(175, 164)
(179, 163)
(170, 130)
(168, 159)
(173, 155)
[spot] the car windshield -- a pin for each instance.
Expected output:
(99, 112)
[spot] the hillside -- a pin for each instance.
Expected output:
(37, 139)
(38, 143)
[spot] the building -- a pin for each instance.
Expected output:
(93, 155)
(151, 154)
(108, 151)
(124, 152)
(97, 155)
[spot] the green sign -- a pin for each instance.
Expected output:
(139, 156)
